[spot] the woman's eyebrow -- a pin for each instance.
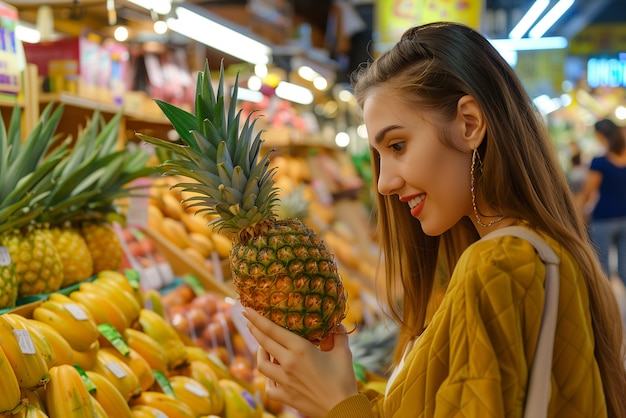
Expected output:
(381, 134)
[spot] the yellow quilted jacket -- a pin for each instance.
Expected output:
(474, 357)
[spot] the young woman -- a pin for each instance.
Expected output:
(606, 186)
(459, 151)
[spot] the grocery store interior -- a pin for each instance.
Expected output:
(115, 244)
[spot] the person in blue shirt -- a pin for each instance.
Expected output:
(606, 182)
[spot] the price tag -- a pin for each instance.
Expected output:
(116, 369)
(150, 277)
(76, 311)
(25, 341)
(166, 272)
(197, 390)
(137, 212)
(5, 257)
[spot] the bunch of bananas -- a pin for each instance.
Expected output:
(98, 352)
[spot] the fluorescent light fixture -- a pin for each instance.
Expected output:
(528, 19)
(320, 83)
(162, 7)
(307, 73)
(294, 93)
(218, 36)
(248, 95)
(529, 44)
(26, 34)
(547, 105)
(550, 18)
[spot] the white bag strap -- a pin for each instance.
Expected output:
(538, 396)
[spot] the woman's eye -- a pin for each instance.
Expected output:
(397, 146)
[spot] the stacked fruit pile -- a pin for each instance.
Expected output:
(99, 352)
(57, 201)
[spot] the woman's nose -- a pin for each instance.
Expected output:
(389, 182)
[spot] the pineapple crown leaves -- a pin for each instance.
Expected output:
(94, 174)
(27, 165)
(221, 153)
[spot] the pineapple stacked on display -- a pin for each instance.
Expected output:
(29, 263)
(57, 197)
(280, 267)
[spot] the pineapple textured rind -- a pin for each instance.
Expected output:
(289, 276)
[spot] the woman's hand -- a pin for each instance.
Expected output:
(298, 373)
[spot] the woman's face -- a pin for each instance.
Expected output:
(432, 178)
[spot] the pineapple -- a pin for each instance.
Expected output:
(103, 245)
(74, 254)
(37, 262)
(82, 200)
(26, 168)
(280, 267)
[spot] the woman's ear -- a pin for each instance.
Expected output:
(470, 121)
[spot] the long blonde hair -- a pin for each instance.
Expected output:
(431, 67)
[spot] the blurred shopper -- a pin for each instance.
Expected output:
(606, 182)
(577, 172)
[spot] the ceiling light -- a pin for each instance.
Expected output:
(160, 27)
(320, 83)
(307, 73)
(248, 95)
(208, 31)
(162, 7)
(528, 44)
(294, 93)
(120, 34)
(529, 18)
(550, 18)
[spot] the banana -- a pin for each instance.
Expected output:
(171, 407)
(122, 281)
(87, 358)
(62, 349)
(157, 327)
(238, 402)
(99, 409)
(176, 355)
(30, 411)
(29, 366)
(206, 376)
(72, 322)
(166, 335)
(123, 299)
(145, 411)
(66, 394)
(9, 386)
(118, 373)
(147, 347)
(153, 298)
(137, 363)
(103, 310)
(194, 394)
(41, 343)
(195, 353)
(109, 397)
(34, 398)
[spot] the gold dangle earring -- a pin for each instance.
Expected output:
(475, 158)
